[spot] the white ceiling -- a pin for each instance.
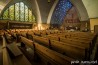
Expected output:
(3, 3)
(91, 7)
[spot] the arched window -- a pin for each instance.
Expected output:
(60, 11)
(18, 12)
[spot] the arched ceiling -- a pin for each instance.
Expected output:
(81, 10)
(3, 3)
(45, 7)
(91, 7)
(86, 8)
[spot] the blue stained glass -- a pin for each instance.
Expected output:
(60, 11)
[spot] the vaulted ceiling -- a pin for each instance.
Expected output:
(3, 3)
(91, 7)
(41, 8)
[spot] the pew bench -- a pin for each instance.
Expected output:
(76, 52)
(53, 57)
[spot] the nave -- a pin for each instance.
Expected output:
(48, 32)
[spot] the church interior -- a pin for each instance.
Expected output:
(48, 32)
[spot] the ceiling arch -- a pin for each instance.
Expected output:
(37, 5)
(3, 4)
(91, 7)
(81, 10)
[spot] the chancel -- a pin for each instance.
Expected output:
(48, 32)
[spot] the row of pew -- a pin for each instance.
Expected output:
(48, 55)
(13, 56)
(57, 47)
(66, 38)
(11, 53)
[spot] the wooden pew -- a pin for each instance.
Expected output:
(6, 57)
(30, 33)
(18, 56)
(78, 41)
(68, 40)
(8, 38)
(74, 39)
(69, 35)
(47, 32)
(23, 33)
(12, 55)
(52, 37)
(76, 52)
(71, 39)
(52, 56)
(37, 33)
(43, 33)
(1, 32)
(90, 43)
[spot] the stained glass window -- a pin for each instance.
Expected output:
(19, 12)
(60, 11)
(33, 18)
(26, 13)
(30, 15)
(22, 11)
(5, 14)
(11, 12)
